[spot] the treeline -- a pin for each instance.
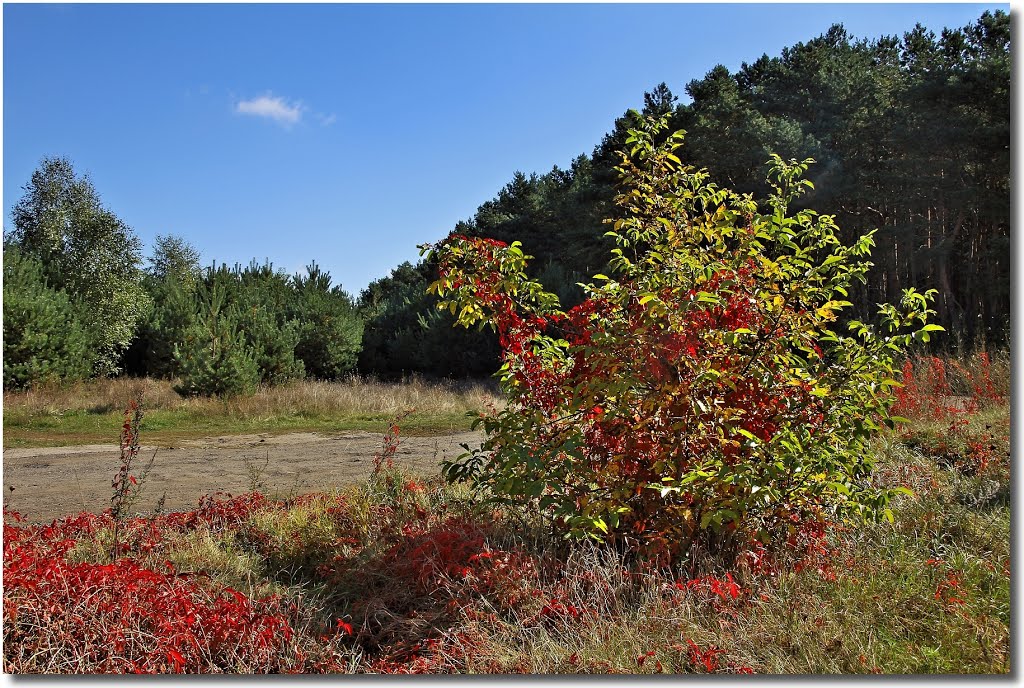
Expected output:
(226, 331)
(911, 137)
(80, 301)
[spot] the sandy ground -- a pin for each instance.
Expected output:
(46, 483)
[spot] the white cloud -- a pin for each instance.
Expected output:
(328, 120)
(271, 107)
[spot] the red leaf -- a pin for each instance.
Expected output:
(177, 659)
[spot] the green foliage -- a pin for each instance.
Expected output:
(212, 357)
(404, 333)
(272, 345)
(242, 321)
(556, 215)
(702, 392)
(912, 138)
(912, 135)
(44, 339)
(170, 282)
(290, 326)
(174, 258)
(330, 329)
(85, 251)
(173, 313)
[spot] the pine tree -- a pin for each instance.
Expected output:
(213, 358)
(44, 339)
(330, 329)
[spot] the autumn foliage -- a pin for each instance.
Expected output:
(122, 617)
(704, 394)
(407, 574)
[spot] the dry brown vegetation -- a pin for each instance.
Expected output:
(90, 412)
(353, 396)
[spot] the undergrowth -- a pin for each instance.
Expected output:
(405, 575)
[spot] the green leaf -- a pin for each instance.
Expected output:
(705, 297)
(749, 435)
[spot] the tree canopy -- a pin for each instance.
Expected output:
(85, 251)
(911, 137)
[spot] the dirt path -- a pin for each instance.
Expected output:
(51, 482)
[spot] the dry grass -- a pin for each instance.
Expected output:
(965, 371)
(354, 396)
(89, 412)
(970, 366)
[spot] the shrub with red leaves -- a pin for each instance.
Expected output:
(702, 392)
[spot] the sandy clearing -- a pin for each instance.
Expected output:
(50, 482)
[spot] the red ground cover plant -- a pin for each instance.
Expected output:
(962, 444)
(928, 393)
(62, 617)
(707, 659)
(949, 590)
(385, 458)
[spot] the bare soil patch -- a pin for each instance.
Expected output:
(50, 482)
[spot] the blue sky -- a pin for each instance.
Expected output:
(350, 133)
